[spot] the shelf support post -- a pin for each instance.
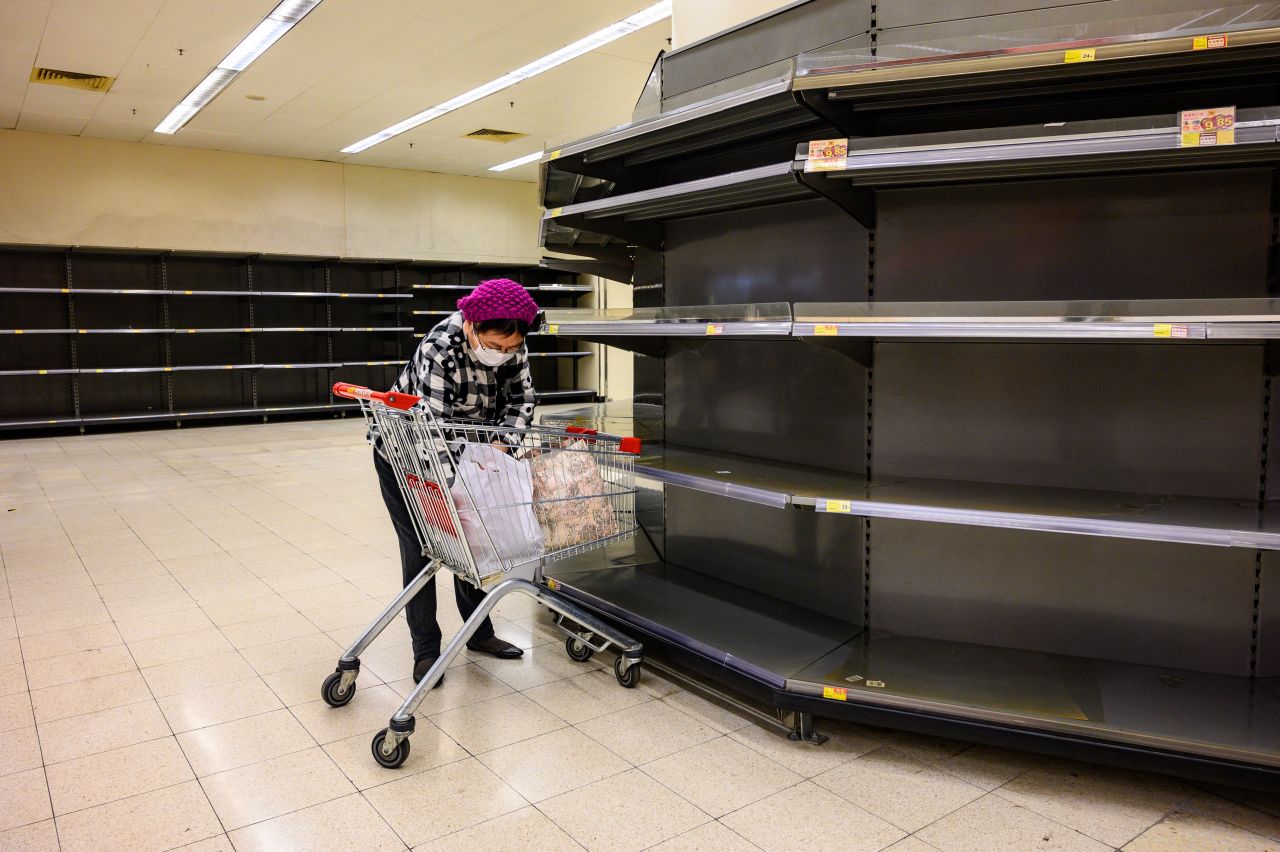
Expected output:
(802, 729)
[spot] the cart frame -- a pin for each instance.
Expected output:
(423, 449)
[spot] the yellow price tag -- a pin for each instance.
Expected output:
(827, 155)
(1201, 128)
(555, 211)
(554, 155)
(1209, 42)
(844, 507)
(44, 372)
(714, 328)
(838, 693)
(553, 329)
(1164, 329)
(1084, 54)
(187, 292)
(826, 330)
(19, 331)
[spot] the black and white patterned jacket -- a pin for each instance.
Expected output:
(456, 385)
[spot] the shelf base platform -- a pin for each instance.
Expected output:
(1209, 726)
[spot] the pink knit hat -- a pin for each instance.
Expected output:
(498, 298)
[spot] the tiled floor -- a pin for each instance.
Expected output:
(171, 600)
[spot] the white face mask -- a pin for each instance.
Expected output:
(490, 357)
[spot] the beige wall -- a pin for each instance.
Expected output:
(67, 190)
(696, 19)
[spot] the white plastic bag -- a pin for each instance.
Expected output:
(497, 497)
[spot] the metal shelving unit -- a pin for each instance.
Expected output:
(1047, 537)
(266, 347)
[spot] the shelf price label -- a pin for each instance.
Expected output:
(715, 328)
(1209, 42)
(826, 330)
(553, 329)
(1084, 54)
(843, 507)
(827, 155)
(838, 693)
(1204, 127)
(1165, 329)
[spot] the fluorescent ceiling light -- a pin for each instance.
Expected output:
(638, 21)
(518, 161)
(272, 28)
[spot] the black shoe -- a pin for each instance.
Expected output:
(495, 647)
(422, 666)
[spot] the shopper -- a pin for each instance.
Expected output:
(472, 365)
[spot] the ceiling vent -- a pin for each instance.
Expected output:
(88, 82)
(488, 134)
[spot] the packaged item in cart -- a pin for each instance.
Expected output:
(570, 498)
(496, 508)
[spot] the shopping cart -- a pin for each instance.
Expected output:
(486, 529)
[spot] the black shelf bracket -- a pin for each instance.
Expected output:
(648, 234)
(846, 122)
(654, 347)
(858, 202)
(855, 349)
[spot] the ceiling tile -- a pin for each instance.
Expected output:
(126, 131)
(61, 100)
(39, 122)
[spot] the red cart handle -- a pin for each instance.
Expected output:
(626, 445)
(392, 399)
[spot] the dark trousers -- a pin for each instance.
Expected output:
(421, 611)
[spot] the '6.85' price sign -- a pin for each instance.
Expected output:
(1203, 127)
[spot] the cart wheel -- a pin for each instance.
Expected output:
(330, 691)
(577, 649)
(397, 758)
(628, 678)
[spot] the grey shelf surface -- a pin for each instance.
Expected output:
(1071, 148)
(749, 187)
(1234, 718)
(569, 393)
(772, 319)
(304, 294)
(1178, 519)
(1151, 319)
(87, 371)
(762, 103)
(752, 633)
(239, 330)
(615, 417)
(1151, 36)
(192, 414)
(810, 654)
(540, 288)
